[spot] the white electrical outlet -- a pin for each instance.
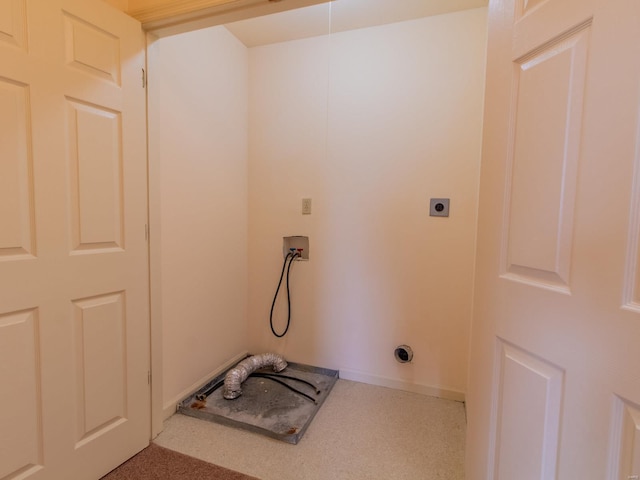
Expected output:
(306, 206)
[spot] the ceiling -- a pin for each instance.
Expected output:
(339, 16)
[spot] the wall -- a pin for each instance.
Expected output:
(370, 124)
(199, 187)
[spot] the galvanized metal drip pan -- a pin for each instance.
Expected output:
(266, 407)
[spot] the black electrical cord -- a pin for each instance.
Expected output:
(290, 258)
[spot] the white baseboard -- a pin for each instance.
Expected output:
(170, 407)
(431, 391)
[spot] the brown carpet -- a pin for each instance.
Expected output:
(158, 463)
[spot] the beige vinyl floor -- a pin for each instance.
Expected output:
(362, 432)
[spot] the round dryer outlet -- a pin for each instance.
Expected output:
(403, 354)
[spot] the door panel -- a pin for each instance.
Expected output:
(547, 114)
(631, 293)
(625, 452)
(91, 49)
(16, 172)
(529, 400)
(95, 146)
(19, 347)
(13, 23)
(100, 342)
(73, 256)
(553, 386)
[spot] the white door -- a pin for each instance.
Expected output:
(554, 388)
(74, 321)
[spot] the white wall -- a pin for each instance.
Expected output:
(369, 123)
(199, 87)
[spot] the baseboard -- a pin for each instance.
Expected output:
(170, 407)
(431, 391)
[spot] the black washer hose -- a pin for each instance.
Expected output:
(290, 258)
(284, 384)
(203, 396)
(289, 377)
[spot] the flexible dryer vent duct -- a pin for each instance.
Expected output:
(234, 378)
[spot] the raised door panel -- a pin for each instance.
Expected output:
(547, 114)
(625, 441)
(95, 152)
(91, 49)
(21, 453)
(528, 410)
(13, 23)
(540, 23)
(100, 339)
(631, 292)
(17, 235)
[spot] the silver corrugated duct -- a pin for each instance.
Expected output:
(234, 377)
